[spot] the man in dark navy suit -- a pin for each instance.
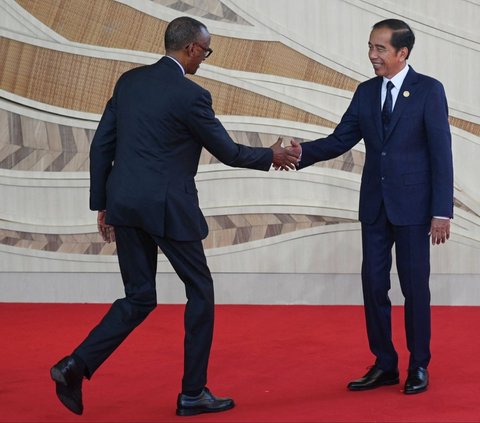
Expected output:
(143, 161)
(406, 195)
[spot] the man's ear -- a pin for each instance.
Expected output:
(189, 48)
(403, 53)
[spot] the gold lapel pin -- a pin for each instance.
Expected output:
(406, 93)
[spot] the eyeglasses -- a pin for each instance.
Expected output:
(207, 51)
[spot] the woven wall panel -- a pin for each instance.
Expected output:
(465, 125)
(274, 58)
(110, 24)
(86, 83)
(99, 22)
(230, 100)
(56, 78)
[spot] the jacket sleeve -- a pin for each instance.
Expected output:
(344, 137)
(102, 153)
(213, 136)
(440, 150)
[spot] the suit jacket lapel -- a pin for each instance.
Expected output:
(404, 98)
(377, 107)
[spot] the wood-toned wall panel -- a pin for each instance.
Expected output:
(7, 151)
(86, 83)
(230, 100)
(30, 144)
(224, 231)
(57, 78)
(41, 161)
(54, 139)
(110, 24)
(34, 145)
(465, 125)
(113, 24)
(274, 58)
(100, 22)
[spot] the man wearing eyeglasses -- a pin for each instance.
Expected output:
(143, 160)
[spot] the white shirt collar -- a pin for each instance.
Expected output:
(398, 79)
(178, 63)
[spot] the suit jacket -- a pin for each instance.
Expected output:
(145, 152)
(410, 170)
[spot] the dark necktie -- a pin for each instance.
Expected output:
(387, 107)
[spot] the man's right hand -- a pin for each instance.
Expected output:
(106, 231)
(285, 158)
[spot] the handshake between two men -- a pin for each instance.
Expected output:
(286, 158)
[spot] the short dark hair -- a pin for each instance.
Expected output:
(402, 35)
(181, 32)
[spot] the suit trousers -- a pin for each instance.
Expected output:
(412, 249)
(137, 255)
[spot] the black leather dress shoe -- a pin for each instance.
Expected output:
(68, 376)
(417, 381)
(206, 402)
(374, 378)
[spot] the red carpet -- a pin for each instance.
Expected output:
(279, 363)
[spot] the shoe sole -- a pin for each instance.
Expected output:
(367, 388)
(194, 412)
(418, 391)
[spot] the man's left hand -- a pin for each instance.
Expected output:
(440, 230)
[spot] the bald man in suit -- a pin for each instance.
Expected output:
(143, 161)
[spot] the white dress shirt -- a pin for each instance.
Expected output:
(397, 82)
